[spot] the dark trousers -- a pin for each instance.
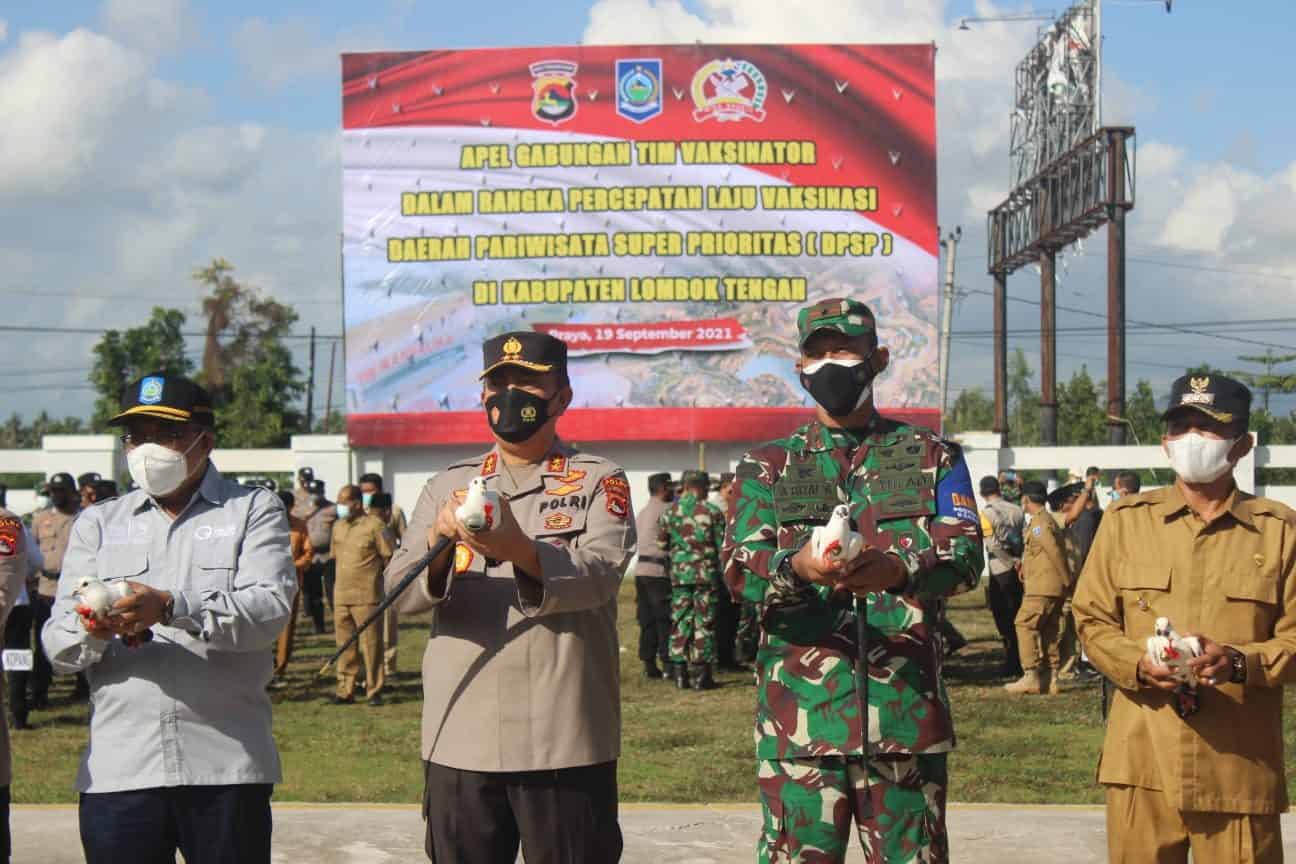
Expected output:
(42, 672)
(1004, 594)
(567, 816)
(208, 824)
(652, 609)
(6, 843)
(313, 588)
(18, 637)
(726, 625)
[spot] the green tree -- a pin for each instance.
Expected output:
(973, 410)
(1081, 420)
(246, 366)
(1023, 401)
(1144, 418)
(1267, 381)
(122, 356)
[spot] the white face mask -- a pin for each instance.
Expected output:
(1199, 459)
(43, 502)
(343, 511)
(158, 470)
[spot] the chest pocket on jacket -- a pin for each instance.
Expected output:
(1251, 607)
(124, 562)
(1145, 596)
(559, 525)
(213, 563)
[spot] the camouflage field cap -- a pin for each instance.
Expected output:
(846, 316)
(693, 479)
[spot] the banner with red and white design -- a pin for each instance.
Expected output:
(665, 210)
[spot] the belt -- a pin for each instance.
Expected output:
(648, 559)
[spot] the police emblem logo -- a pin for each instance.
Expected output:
(554, 86)
(639, 90)
(529, 414)
(150, 392)
(729, 91)
(512, 347)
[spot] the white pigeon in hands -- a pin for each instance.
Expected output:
(837, 542)
(480, 508)
(95, 600)
(1168, 648)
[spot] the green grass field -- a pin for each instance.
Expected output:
(677, 747)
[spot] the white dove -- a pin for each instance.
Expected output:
(1168, 648)
(836, 543)
(480, 508)
(96, 598)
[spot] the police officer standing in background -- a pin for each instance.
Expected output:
(319, 514)
(1005, 542)
(1202, 770)
(51, 528)
(521, 685)
(821, 764)
(652, 579)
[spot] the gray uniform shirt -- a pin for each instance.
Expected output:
(652, 554)
(190, 707)
(1003, 513)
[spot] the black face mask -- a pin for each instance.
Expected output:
(839, 389)
(521, 414)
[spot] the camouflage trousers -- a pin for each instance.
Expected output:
(747, 638)
(808, 806)
(693, 619)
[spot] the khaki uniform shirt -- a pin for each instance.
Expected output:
(51, 528)
(397, 524)
(1231, 580)
(319, 529)
(1044, 567)
(653, 560)
(521, 672)
(13, 573)
(362, 548)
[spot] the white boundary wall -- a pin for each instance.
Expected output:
(405, 470)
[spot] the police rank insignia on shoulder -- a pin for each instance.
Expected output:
(617, 491)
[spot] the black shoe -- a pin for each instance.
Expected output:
(375, 701)
(702, 679)
(681, 676)
(338, 700)
(20, 723)
(40, 703)
(650, 669)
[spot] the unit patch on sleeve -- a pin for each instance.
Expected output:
(617, 491)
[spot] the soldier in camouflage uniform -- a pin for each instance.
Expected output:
(693, 531)
(820, 764)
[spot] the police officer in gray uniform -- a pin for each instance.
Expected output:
(180, 754)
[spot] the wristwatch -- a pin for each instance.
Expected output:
(1238, 670)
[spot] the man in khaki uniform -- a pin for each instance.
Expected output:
(1196, 770)
(391, 515)
(361, 549)
(51, 529)
(13, 573)
(521, 685)
(1046, 581)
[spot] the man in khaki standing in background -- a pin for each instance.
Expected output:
(361, 549)
(1046, 582)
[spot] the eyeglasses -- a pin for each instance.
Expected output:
(166, 436)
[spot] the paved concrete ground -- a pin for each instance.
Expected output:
(368, 834)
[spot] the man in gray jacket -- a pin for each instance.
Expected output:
(652, 579)
(1004, 546)
(521, 680)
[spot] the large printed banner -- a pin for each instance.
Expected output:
(665, 210)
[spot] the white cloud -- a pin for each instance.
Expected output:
(153, 26)
(283, 51)
(4, 30)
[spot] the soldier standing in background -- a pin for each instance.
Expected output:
(822, 765)
(652, 579)
(693, 530)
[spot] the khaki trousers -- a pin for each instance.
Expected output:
(284, 647)
(346, 618)
(1142, 828)
(390, 635)
(1037, 632)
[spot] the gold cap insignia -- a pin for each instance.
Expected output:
(1199, 385)
(512, 346)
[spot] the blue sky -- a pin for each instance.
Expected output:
(233, 110)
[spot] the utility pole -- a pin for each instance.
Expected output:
(310, 386)
(950, 244)
(328, 402)
(1048, 348)
(1116, 192)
